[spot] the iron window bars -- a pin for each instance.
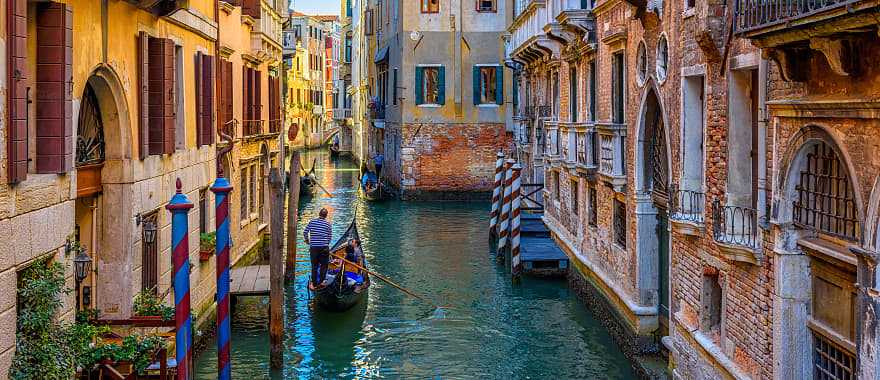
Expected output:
(830, 361)
(620, 223)
(686, 205)
(825, 200)
(735, 225)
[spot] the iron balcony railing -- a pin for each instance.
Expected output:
(252, 127)
(735, 225)
(756, 14)
(686, 205)
(543, 111)
(275, 126)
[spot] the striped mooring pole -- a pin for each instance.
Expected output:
(179, 207)
(496, 194)
(221, 189)
(515, 221)
(504, 219)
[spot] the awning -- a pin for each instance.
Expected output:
(381, 55)
(379, 124)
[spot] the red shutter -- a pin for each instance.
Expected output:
(161, 88)
(54, 81)
(197, 70)
(17, 90)
(207, 99)
(245, 95)
(143, 44)
(258, 97)
(227, 93)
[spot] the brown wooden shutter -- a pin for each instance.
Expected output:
(227, 93)
(161, 88)
(54, 81)
(207, 130)
(245, 95)
(143, 44)
(17, 91)
(258, 97)
(197, 70)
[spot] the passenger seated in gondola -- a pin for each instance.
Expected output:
(369, 184)
(353, 254)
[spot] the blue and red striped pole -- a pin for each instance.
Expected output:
(221, 191)
(179, 207)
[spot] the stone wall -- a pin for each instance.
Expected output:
(443, 160)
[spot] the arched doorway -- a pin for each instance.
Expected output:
(103, 213)
(652, 215)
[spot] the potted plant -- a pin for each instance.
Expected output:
(207, 243)
(148, 306)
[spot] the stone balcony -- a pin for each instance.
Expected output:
(266, 35)
(612, 153)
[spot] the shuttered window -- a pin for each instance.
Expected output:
(488, 84)
(54, 81)
(17, 90)
(430, 85)
(157, 95)
(204, 83)
(226, 92)
(274, 105)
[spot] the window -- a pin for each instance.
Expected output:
(430, 6)
(710, 315)
(150, 253)
(593, 215)
(347, 49)
(618, 80)
(368, 22)
(158, 88)
(488, 84)
(833, 322)
(642, 63)
(825, 198)
(692, 165)
(592, 91)
(556, 190)
(555, 83)
(573, 91)
(394, 87)
(662, 58)
(575, 201)
(243, 199)
(430, 85)
(485, 5)
(620, 223)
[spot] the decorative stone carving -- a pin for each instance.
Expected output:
(785, 59)
(837, 52)
(707, 45)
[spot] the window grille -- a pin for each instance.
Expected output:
(659, 177)
(830, 361)
(593, 214)
(825, 199)
(620, 223)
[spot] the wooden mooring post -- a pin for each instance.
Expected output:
(292, 215)
(504, 218)
(496, 195)
(276, 269)
(515, 268)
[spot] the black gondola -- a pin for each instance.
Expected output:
(345, 285)
(371, 186)
(334, 150)
(308, 182)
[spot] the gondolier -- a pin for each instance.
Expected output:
(318, 235)
(378, 161)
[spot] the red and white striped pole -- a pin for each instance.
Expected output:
(504, 219)
(496, 194)
(515, 267)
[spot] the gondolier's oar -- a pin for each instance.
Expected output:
(383, 278)
(322, 187)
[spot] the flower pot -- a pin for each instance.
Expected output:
(205, 255)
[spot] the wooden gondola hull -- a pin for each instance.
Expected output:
(333, 299)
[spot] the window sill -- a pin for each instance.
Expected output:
(430, 106)
(688, 13)
(488, 105)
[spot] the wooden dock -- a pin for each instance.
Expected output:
(540, 255)
(252, 280)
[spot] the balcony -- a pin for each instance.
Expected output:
(527, 41)
(275, 126)
(612, 154)
(252, 127)
(341, 113)
(317, 109)
(735, 230)
(686, 211)
(266, 35)
(756, 18)
(586, 147)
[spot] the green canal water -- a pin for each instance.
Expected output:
(491, 329)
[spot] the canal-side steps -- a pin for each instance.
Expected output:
(539, 254)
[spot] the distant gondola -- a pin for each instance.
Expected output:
(345, 285)
(371, 186)
(308, 184)
(334, 150)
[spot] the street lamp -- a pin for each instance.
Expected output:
(149, 232)
(81, 265)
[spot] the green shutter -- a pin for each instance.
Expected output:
(441, 84)
(477, 81)
(499, 85)
(420, 98)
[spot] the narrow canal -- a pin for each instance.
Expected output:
(491, 329)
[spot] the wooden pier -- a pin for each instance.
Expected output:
(539, 254)
(252, 280)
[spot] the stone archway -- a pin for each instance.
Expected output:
(653, 179)
(803, 249)
(114, 261)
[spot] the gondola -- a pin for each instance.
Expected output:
(371, 186)
(334, 150)
(345, 285)
(308, 182)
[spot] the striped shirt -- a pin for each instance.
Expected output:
(319, 233)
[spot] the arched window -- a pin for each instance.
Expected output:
(642, 63)
(825, 200)
(662, 58)
(90, 131)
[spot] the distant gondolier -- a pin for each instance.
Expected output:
(378, 161)
(318, 234)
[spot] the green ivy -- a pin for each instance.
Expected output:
(48, 349)
(207, 241)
